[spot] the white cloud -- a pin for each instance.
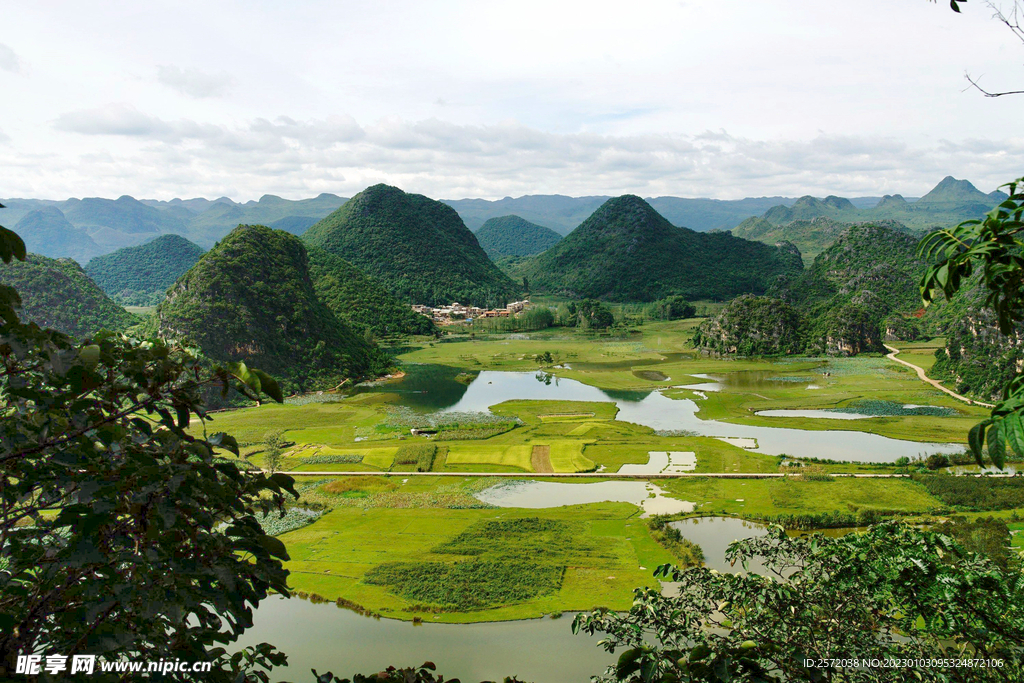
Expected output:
(193, 82)
(9, 60)
(444, 159)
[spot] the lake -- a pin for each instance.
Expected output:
(430, 387)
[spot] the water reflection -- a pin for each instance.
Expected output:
(655, 410)
(549, 494)
(326, 638)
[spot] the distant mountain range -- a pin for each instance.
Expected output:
(813, 224)
(84, 228)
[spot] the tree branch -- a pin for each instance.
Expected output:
(986, 93)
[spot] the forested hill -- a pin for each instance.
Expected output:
(361, 301)
(514, 236)
(858, 290)
(416, 247)
(57, 293)
(251, 298)
(626, 251)
(139, 276)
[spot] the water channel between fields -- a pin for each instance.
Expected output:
(431, 388)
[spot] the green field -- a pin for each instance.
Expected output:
(387, 543)
(607, 549)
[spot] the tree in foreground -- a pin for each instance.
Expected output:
(893, 593)
(992, 251)
(122, 535)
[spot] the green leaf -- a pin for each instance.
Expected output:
(996, 445)
(90, 355)
(225, 441)
(699, 652)
(275, 547)
(976, 438)
(269, 385)
(1014, 431)
(11, 246)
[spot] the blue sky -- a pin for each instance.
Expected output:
(489, 99)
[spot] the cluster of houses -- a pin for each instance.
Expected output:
(456, 312)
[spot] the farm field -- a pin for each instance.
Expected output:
(603, 550)
(385, 543)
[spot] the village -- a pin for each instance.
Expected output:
(457, 313)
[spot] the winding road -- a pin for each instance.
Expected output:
(935, 383)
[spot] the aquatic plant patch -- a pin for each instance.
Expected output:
(294, 518)
(542, 540)
(470, 585)
(323, 459)
(876, 408)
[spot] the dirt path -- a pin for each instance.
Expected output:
(540, 460)
(935, 383)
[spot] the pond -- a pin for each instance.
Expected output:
(427, 387)
(549, 494)
(328, 638)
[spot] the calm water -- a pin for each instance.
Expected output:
(327, 638)
(429, 388)
(550, 494)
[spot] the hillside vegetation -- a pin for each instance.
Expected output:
(753, 326)
(514, 236)
(361, 301)
(626, 251)
(416, 247)
(251, 298)
(56, 293)
(139, 276)
(858, 292)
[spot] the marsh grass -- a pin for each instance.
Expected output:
(466, 586)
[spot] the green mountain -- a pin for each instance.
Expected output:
(57, 293)
(361, 301)
(47, 232)
(514, 236)
(862, 285)
(952, 193)
(808, 208)
(251, 298)
(626, 251)
(416, 247)
(139, 276)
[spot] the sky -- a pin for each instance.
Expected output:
(722, 99)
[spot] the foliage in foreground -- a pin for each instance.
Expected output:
(893, 592)
(121, 535)
(995, 248)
